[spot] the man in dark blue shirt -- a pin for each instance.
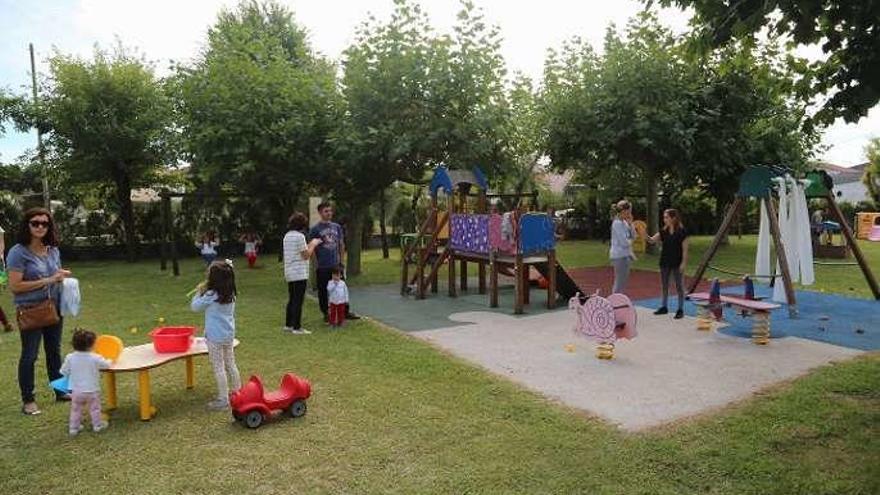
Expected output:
(328, 255)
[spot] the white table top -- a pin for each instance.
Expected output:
(144, 356)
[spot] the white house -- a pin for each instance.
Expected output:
(848, 185)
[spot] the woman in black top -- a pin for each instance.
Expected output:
(673, 258)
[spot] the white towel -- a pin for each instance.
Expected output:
(762, 257)
(804, 239)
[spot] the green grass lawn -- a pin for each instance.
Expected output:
(391, 414)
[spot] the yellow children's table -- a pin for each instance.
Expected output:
(143, 358)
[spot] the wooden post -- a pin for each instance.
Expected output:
(163, 235)
(527, 288)
(781, 256)
(518, 283)
(420, 274)
(175, 266)
(482, 277)
(450, 269)
(716, 241)
(493, 280)
(551, 280)
(854, 246)
(464, 275)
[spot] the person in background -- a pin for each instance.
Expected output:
(337, 293)
(673, 258)
(329, 254)
(621, 252)
(208, 247)
(252, 244)
(296, 254)
(4, 280)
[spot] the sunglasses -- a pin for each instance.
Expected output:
(37, 223)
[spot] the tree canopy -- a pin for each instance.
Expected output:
(848, 32)
(257, 108)
(107, 120)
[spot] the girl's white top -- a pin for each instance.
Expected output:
(208, 247)
(83, 371)
(337, 292)
(250, 247)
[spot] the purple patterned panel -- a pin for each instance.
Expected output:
(469, 233)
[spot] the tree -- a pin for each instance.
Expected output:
(744, 115)
(524, 139)
(872, 171)
(415, 99)
(848, 31)
(257, 108)
(385, 137)
(629, 110)
(107, 121)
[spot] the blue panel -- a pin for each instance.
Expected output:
(441, 180)
(536, 233)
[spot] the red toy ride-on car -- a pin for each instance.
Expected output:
(252, 405)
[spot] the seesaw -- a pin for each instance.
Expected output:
(605, 320)
(711, 305)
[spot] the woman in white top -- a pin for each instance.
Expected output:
(296, 269)
(621, 253)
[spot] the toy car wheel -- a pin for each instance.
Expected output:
(298, 408)
(253, 419)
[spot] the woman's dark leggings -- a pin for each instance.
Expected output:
(675, 271)
(30, 348)
(296, 293)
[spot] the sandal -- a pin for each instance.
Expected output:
(33, 412)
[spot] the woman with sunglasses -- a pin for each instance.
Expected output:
(35, 274)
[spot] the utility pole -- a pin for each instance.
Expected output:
(40, 154)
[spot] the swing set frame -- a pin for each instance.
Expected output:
(756, 182)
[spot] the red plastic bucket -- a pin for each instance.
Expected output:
(172, 339)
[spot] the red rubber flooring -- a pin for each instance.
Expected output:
(643, 284)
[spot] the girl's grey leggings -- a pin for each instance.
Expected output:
(621, 274)
(675, 271)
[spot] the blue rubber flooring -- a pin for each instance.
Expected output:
(831, 318)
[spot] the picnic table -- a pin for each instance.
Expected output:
(141, 359)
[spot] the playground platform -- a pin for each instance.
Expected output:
(670, 372)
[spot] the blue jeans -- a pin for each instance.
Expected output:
(30, 348)
(208, 258)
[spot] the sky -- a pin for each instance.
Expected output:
(166, 30)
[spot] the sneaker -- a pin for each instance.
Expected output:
(98, 428)
(662, 310)
(300, 331)
(679, 314)
(218, 405)
(75, 431)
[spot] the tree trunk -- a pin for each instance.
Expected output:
(593, 212)
(382, 230)
(353, 245)
(126, 211)
(652, 205)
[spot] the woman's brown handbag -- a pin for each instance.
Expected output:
(40, 315)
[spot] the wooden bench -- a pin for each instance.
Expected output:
(759, 310)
